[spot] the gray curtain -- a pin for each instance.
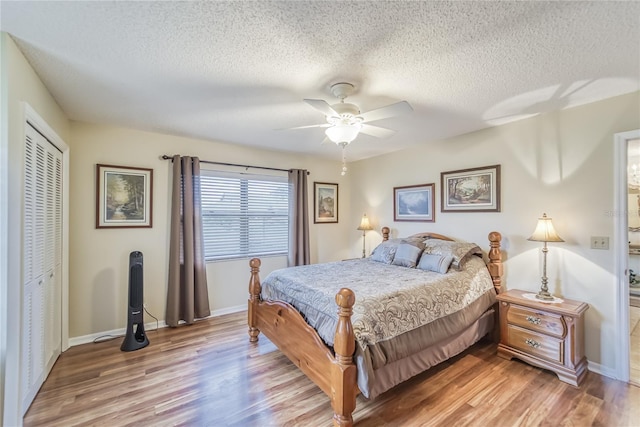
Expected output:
(298, 218)
(187, 295)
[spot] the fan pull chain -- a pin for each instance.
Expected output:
(344, 159)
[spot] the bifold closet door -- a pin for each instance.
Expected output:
(42, 240)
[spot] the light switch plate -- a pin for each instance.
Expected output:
(600, 242)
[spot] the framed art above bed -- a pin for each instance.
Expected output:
(414, 203)
(471, 190)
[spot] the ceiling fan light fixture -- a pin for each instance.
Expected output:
(343, 133)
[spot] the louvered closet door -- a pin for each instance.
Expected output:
(42, 262)
(54, 295)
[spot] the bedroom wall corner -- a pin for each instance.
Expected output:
(560, 163)
(20, 85)
(99, 274)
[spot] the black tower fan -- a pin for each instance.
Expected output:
(135, 338)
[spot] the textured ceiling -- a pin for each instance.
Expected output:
(238, 71)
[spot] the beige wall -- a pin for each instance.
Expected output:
(22, 85)
(559, 163)
(100, 257)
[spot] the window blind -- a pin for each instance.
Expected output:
(244, 215)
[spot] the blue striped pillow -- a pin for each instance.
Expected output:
(438, 263)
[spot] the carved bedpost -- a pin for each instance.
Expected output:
(254, 298)
(385, 233)
(343, 388)
(495, 260)
(495, 270)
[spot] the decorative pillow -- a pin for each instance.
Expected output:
(438, 263)
(385, 251)
(459, 251)
(407, 254)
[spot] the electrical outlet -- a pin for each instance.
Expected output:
(600, 242)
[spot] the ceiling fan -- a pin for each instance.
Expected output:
(345, 121)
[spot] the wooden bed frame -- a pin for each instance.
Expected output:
(331, 369)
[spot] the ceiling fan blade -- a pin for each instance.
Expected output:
(325, 125)
(392, 110)
(376, 131)
(322, 106)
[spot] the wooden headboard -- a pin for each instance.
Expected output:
(495, 255)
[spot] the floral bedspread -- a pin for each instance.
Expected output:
(390, 300)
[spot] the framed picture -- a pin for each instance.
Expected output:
(325, 202)
(471, 190)
(414, 203)
(123, 197)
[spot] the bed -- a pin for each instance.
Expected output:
(406, 319)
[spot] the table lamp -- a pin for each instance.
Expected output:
(544, 232)
(364, 226)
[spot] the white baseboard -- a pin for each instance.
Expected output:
(602, 370)
(229, 310)
(150, 326)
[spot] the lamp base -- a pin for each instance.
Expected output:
(545, 296)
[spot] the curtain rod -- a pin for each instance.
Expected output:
(165, 157)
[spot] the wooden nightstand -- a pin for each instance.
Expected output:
(550, 336)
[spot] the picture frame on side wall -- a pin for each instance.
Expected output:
(471, 190)
(124, 197)
(325, 203)
(414, 203)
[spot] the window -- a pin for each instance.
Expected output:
(244, 215)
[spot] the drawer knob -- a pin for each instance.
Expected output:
(532, 343)
(534, 320)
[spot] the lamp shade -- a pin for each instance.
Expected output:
(364, 224)
(341, 132)
(544, 231)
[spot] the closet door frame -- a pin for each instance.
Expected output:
(31, 116)
(15, 302)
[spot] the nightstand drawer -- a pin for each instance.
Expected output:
(547, 323)
(535, 344)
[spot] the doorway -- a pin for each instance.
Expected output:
(633, 218)
(627, 232)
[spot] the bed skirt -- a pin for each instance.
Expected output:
(401, 370)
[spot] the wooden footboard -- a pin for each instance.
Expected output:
(286, 328)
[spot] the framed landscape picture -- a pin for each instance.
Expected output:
(123, 197)
(325, 203)
(471, 190)
(414, 203)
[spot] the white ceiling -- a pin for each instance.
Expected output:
(237, 71)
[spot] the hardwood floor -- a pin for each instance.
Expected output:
(208, 374)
